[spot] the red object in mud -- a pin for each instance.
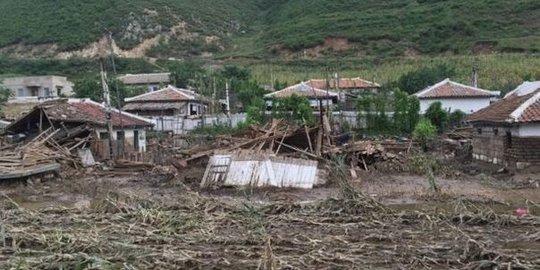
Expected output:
(521, 212)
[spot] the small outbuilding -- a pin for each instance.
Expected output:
(456, 96)
(508, 132)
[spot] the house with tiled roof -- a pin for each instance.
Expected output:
(83, 118)
(315, 95)
(348, 89)
(149, 81)
(456, 96)
(508, 131)
(168, 107)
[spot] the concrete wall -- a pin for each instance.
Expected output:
(129, 138)
(467, 105)
(39, 86)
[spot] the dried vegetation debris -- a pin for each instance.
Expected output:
(195, 231)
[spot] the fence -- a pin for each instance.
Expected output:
(181, 125)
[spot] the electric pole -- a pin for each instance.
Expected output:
(108, 110)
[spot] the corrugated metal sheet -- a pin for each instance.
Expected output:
(243, 169)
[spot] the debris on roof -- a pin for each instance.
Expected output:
(342, 83)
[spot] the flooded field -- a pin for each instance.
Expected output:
(379, 221)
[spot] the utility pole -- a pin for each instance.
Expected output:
(108, 111)
(213, 95)
(228, 100)
(119, 106)
(475, 73)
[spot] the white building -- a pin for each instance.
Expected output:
(149, 81)
(314, 95)
(456, 96)
(38, 87)
(508, 131)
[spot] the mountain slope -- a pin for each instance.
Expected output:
(395, 26)
(172, 28)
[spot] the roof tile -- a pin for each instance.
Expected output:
(450, 89)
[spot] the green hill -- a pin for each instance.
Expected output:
(261, 28)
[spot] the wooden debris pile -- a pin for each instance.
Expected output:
(47, 152)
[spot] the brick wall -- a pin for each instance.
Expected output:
(489, 146)
(495, 147)
(524, 150)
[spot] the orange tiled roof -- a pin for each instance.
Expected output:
(450, 89)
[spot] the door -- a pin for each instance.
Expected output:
(136, 140)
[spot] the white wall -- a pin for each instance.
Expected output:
(40, 83)
(129, 136)
(529, 130)
(467, 105)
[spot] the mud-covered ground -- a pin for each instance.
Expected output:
(393, 221)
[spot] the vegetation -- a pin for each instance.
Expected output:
(416, 80)
(74, 24)
(424, 133)
(294, 108)
(455, 119)
(92, 88)
(257, 28)
(373, 112)
(4, 95)
(437, 115)
(425, 27)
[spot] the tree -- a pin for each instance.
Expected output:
(456, 118)
(256, 111)
(91, 88)
(424, 132)
(417, 80)
(184, 74)
(5, 94)
(295, 107)
(248, 92)
(413, 112)
(437, 115)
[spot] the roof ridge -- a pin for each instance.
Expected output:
(101, 105)
(475, 88)
(516, 114)
(430, 88)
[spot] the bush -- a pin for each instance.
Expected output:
(456, 118)
(437, 116)
(424, 133)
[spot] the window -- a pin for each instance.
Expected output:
(120, 135)
(104, 135)
(46, 92)
(495, 131)
(193, 109)
(20, 92)
(479, 130)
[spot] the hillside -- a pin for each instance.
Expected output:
(257, 28)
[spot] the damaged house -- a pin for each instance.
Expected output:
(508, 132)
(349, 89)
(315, 95)
(83, 118)
(167, 107)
